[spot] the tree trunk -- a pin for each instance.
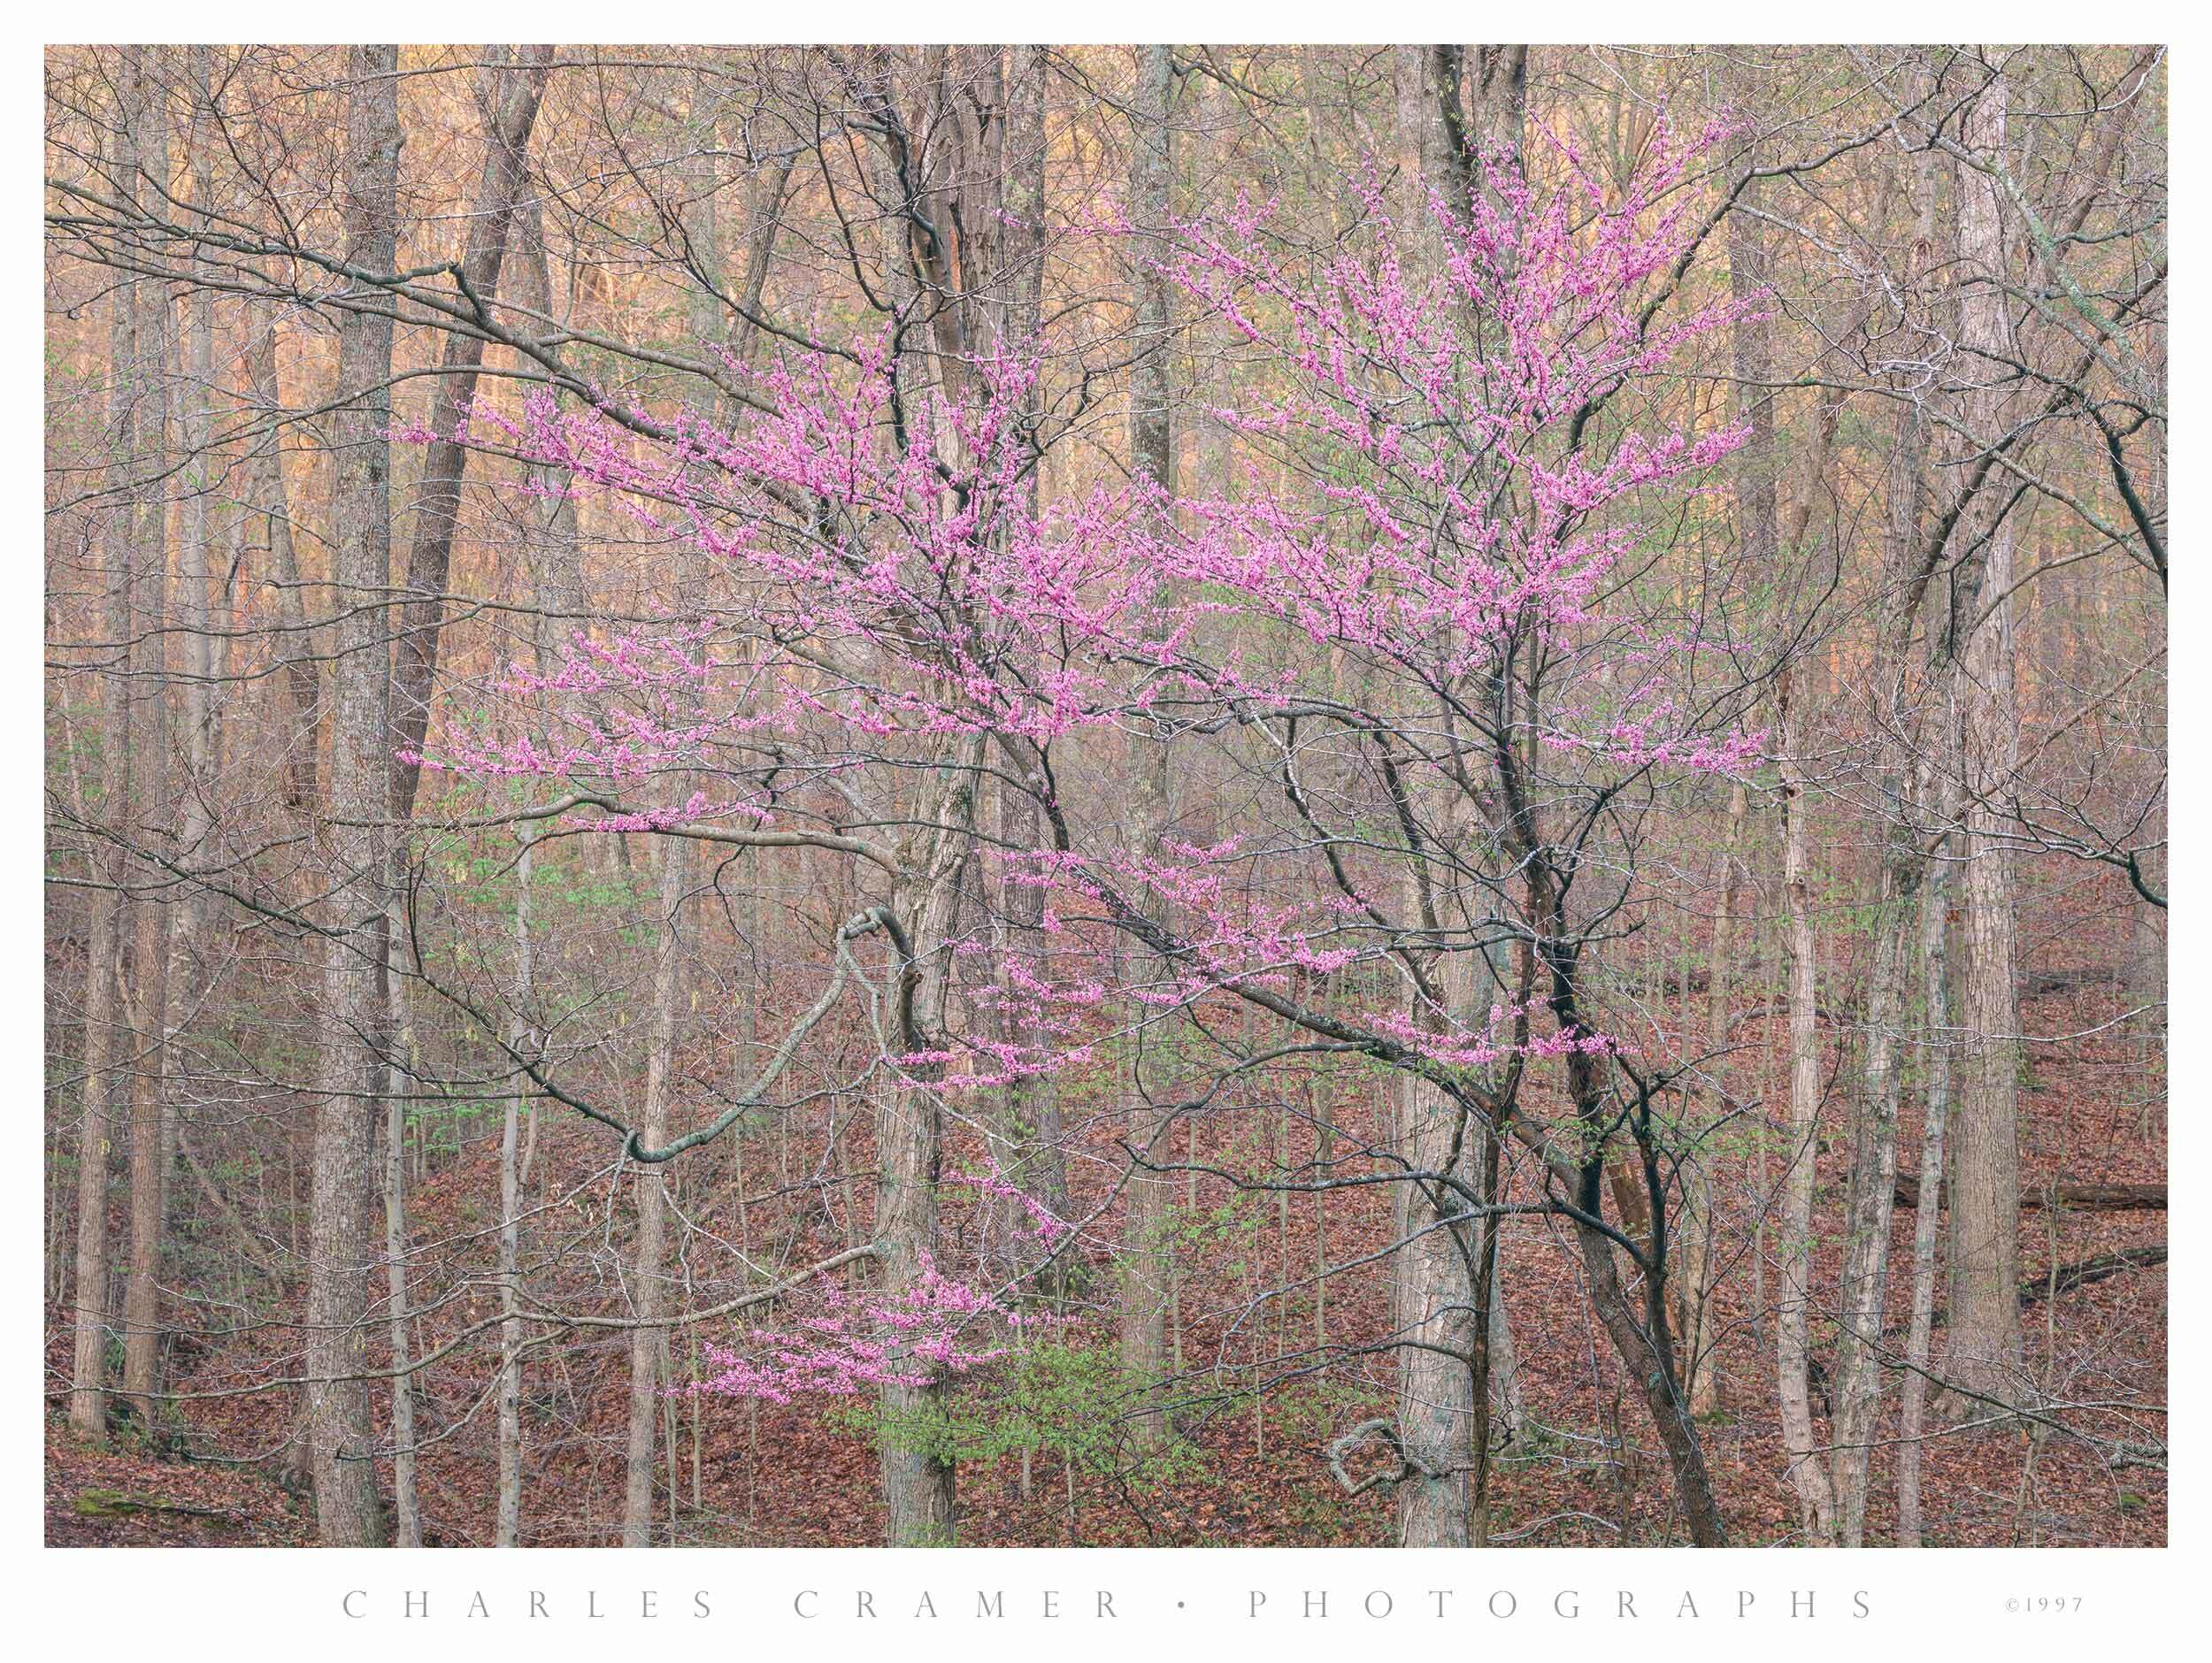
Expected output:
(507, 1525)
(149, 985)
(511, 95)
(1642, 1340)
(1900, 726)
(107, 1033)
(919, 1477)
(406, 1514)
(1434, 1329)
(1983, 1355)
(1694, 1287)
(348, 1511)
(295, 647)
(1793, 1247)
(1145, 1263)
(1935, 902)
(190, 797)
(1434, 1290)
(648, 1345)
(1032, 1113)
(1856, 1392)
(1151, 173)
(103, 1040)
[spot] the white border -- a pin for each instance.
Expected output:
(179, 1605)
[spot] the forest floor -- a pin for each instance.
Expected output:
(121, 1497)
(1253, 1470)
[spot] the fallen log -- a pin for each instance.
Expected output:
(2077, 1274)
(112, 1504)
(2084, 1271)
(2085, 1198)
(2037, 982)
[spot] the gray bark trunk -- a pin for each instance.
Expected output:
(106, 1033)
(1700, 1381)
(1902, 728)
(1435, 1287)
(295, 647)
(648, 1345)
(918, 1479)
(512, 94)
(342, 1434)
(1983, 1352)
(1144, 1262)
(1793, 1246)
(406, 1514)
(149, 986)
(507, 1524)
(1935, 901)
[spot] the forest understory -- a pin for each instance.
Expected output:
(1582, 1473)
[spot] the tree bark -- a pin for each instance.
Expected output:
(1032, 1109)
(148, 988)
(1900, 724)
(107, 1034)
(1983, 1355)
(918, 1475)
(406, 1512)
(1151, 173)
(295, 647)
(507, 1523)
(1793, 1247)
(1935, 904)
(1700, 1381)
(648, 1345)
(342, 1434)
(511, 96)
(1434, 1330)
(1144, 1261)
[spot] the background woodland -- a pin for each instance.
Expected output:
(1178, 795)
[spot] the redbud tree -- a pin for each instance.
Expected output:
(1510, 683)
(1452, 652)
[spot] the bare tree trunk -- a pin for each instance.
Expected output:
(149, 987)
(406, 1514)
(552, 558)
(87, 1398)
(1502, 99)
(342, 1432)
(1935, 904)
(648, 1345)
(1641, 1339)
(1700, 1381)
(1032, 1104)
(511, 95)
(189, 798)
(1508, 1406)
(296, 646)
(507, 1525)
(918, 1479)
(1758, 524)
(1434, 1328)
(2147, 943)
(1144, 1337)
(1856, 1390)
(1793, 1250)
(1901, 730)
(107, 1035)
(1983, 1354)
(1151, 173)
